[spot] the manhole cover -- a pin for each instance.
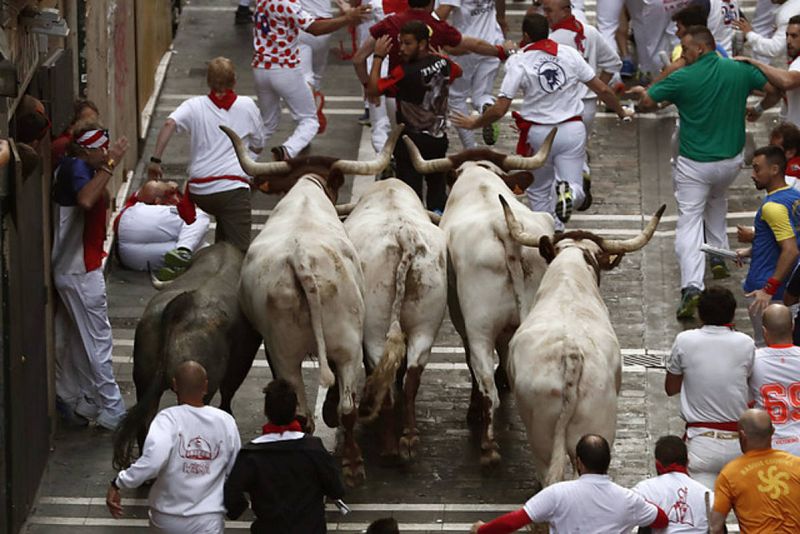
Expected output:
(644, 359)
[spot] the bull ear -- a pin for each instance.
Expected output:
(518, 181)
(452, 176)
(335, 181)
(546, 249)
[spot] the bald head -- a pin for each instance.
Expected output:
(190, 380)
(757, 428)
(777, 322)
(157, 192)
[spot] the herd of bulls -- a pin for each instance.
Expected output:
(373, 291)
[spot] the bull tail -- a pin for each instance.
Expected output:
(394, 350)
(513, 251)
(572, 372)
(302, 270)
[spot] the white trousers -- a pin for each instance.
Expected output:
(477, 83)
(707, 457)
(654, 32)
(608, 13)
(566, 160)
(313, 57)
(701, 190)
(146, 234)
(589, 113)
(85, 359)
(274, 85)
(196, 524)
(381, 116)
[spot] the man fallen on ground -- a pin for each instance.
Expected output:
(159, 230)
(189, 451)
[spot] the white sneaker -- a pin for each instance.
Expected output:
(87, 408)
(108, 421)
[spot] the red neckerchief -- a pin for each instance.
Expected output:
(662, 469)
(269, 428)
(225, 101)
(545, 45)
(793, 167)
(783, 346)
(732, 326)
(572, 24)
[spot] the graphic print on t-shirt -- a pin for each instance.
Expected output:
(773, 483)
(198, 454)
(551, 76)
(681, 512)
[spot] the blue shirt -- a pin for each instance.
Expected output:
(777, 219)
(71, 176)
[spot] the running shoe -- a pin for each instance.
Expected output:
(690, 297)
(243, 15)
(87, 409)
(587, 192)
(719, 269)
(108, 421)
(563, 202)
(363, 119)
(180, 258)
(319, 98)
(628, 68)
(168, 274)
(279, 153)
(491, 132)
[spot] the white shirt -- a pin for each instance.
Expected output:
(211, 152)
(715, 362)
(476, 18)
(189, 451)
(319, 9)
(793, 97)
(572, 506)
(775, 387)
(776, 45)
(681, 498)
(549, 84)
(276, 32)
(597, 52)
(721, 15)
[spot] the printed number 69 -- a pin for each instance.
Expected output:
(783, 404)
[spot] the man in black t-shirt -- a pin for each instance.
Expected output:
(420, 85)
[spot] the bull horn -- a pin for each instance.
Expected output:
(434, 217)
(343, 210)
(426, 166)
(376, 165)
(529, 163)
(253, 168)
(515, 228)
(613, 246)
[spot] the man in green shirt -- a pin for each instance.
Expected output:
(711, 95)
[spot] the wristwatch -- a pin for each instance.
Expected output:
(114, 483)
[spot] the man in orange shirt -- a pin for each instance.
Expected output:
(762, 485)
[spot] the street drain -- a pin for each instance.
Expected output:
(645, 359)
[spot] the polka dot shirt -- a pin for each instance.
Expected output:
(276, 32)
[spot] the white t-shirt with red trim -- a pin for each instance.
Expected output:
(682, 499)
(551, 85)
(211, 152)
(775, 387)
(276, 32)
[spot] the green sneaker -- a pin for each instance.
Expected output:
(179, 258)
(719, 269)
(491, 132)
(690, 297)
(168, 274)
(563, 202)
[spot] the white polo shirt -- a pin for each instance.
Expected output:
(550, 85)
(476, 18)
(715, 362)
(793, 97)
(211, 152)
(590, 500)
(597, 52)
(775, 387)
(681, 498)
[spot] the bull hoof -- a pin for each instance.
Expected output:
(474, 415)
(354, 474)
(490, 457)
(409, 444)
(330, 410)
(501, 379)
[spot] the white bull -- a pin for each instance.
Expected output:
(302, 286)
(492, 279)
(564, 364)
(404, 259)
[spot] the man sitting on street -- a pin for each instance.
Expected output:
(157, 229)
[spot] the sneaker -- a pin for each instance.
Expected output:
(67, 414)
(363, 120)
(167, 274)
(178, 258)
(319, 98)
(628, 68)
(719, 269)
(690, 297)
(243, 15)
(279, 153)
(108, 421)
(491, 132)
(87, 409)
(563, 202)
(587, 192)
